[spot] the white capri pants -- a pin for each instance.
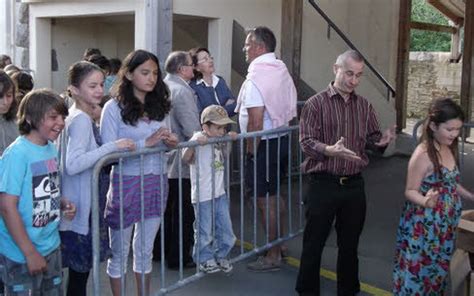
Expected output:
(140, 261)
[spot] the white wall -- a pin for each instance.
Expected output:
(249, 13)
(7, 28)
(4, 40)
(42, 29)
(372, 25)
(71, 36)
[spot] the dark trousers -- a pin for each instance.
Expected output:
(327, 199)
(171, 224)
(77, 283)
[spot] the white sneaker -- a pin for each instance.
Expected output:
(225, 265)
(210, 266)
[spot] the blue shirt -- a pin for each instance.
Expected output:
(30, 172)
(207, 95)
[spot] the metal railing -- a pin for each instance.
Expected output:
(247, 218)
(331, 24)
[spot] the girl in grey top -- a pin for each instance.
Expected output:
(81, 148)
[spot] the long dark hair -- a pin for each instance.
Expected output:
(440, 111)
(157, 103)
(6, 84)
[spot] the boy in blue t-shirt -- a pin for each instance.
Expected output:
(30, 201)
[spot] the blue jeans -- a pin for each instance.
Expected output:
(207, 246)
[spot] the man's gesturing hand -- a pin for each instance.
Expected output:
(339, 150)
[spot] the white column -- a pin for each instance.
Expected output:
(220, 45)
(5, 27)
(153, 27)
(40, 50)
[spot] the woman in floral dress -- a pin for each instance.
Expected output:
(425, 237)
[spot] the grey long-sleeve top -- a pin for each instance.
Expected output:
(112, 128)
(8, 133)
(184, 117)
(79, 154)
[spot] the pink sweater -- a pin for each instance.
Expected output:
(277, 89)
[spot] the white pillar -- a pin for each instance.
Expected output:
(153, 27)
(40, 50)
(220, 45)
(7, 28)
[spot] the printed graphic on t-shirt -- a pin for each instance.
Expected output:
(46, 193)
(218, 160)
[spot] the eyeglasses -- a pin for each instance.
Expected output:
(205, 59)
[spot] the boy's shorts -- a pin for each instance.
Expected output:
(18, 280)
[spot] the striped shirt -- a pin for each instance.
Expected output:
(325, 118)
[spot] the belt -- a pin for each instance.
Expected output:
(341, 180)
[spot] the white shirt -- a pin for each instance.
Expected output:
(203, 156)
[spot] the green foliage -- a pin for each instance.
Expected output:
(421, 40)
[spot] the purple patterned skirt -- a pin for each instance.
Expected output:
(154, 196)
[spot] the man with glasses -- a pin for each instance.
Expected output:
(184, 117)
(336, 126)
(267, 100)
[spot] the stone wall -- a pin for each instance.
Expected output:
(431, 75)
(22, 38)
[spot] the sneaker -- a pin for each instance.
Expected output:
(210, 266)
(263, 265)
(225, 265)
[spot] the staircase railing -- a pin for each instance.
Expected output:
(331, 24)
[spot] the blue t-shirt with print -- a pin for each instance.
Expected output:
(30, 172)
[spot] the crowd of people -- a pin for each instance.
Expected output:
(50, 145)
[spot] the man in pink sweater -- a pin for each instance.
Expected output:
(267, 100)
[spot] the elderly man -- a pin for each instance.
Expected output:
(184, 118)
(267, 100)
(336, 126)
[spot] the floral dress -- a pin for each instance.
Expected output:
(425, 239)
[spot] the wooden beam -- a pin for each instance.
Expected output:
(455, 50)
(433, 27)
(448, 13)
(467, 62)
(291, 34)
(403, 54)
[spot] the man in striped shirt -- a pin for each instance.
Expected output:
(336, 127)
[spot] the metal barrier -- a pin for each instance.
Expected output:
(258, 243)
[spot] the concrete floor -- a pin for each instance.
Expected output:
(385, 181)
